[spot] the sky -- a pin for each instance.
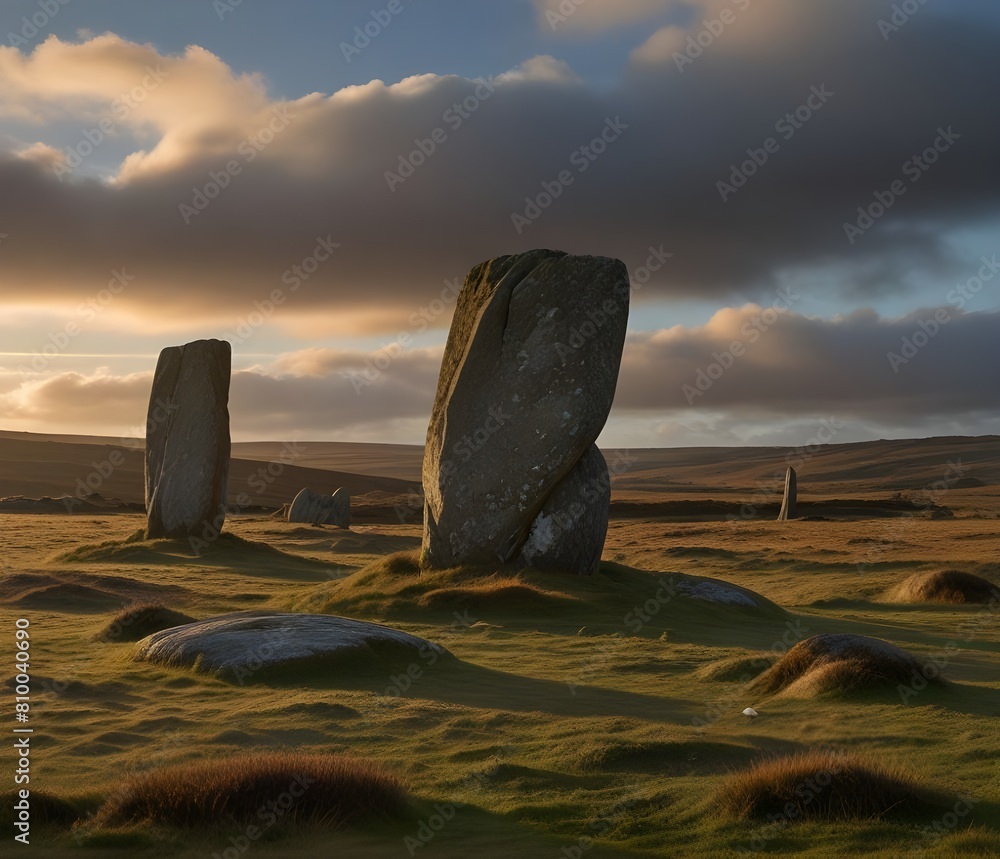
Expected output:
(805, 195)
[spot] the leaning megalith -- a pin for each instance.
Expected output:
(315, 508)
(511, 471)
(187, 441)
(788, 502)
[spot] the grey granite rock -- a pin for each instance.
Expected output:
(527, 380)
(187, 441)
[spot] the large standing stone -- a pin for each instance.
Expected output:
(788, 502)
(511, 472)
(316, 508)
(187, 441)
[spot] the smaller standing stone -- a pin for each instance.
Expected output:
(187, 441)
(788, 502)
(315, 508)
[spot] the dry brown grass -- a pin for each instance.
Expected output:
(839, 665)
(947, 586)
(135, 622)
(329, 790)
(499, 591)
(822, 785)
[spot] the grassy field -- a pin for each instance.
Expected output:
(583, 717)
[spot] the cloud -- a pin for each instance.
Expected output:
(41, 153)
(264, 178)
(765, 363)
(319, 393)
(750, 374)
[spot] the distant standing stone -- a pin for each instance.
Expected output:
(788, 502)
(187, 441)
(511, 472)
(315, 508)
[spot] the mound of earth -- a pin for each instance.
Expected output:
(242, 645)
(842, 663)
(67, 597)
(135, 622)
(825, 786)
(226, 550)
(80, 592)
(949, 586)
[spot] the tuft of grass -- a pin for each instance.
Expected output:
(838, 664)
(947, 586)
(287, 788)
(825, 786)
(136, 621)
(496, 591)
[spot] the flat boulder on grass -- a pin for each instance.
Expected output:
(258, 644)
(843, 663)
(948, 586)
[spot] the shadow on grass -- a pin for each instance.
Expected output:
(455, 682)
